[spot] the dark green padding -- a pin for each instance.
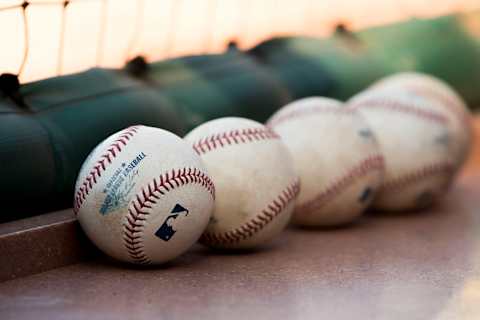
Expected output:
(336, 67)
(43, 145)
(48, 127)
(445, 47)
(212, 86)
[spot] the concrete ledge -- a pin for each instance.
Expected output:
(41, 243)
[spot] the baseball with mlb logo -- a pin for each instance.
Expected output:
(143, 196)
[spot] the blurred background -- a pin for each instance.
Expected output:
(74, 72)
(70, 77)
(44, 38)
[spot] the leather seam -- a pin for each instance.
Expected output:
(257, 223)
(139, 208)
(101, 165)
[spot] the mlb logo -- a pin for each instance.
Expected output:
(166, 232)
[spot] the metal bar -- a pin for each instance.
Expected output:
(26, 35)
(61, 45)
(17, 6)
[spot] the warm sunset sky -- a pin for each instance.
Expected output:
(166, 28)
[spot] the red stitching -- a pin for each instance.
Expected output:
(221, 140)
(100, 166)
(296, 113)
(446, 100)
(138, 210)
(401, 107)
(374, 162)
(419, 174)
(257, 223)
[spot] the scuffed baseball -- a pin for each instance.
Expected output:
(336, 156)
(415, 139)
(256, 184)
(449, 103)
(143, 196)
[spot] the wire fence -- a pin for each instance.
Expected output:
(249, 22)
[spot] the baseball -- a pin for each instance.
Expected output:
(414, 137)
(336, 156)
(256, 184)
(143, 196)
(449, 103)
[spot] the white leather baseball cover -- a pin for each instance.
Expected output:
(449, 103)
(415, 140)
(337, 157)
(143, 196)
(255, 181)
